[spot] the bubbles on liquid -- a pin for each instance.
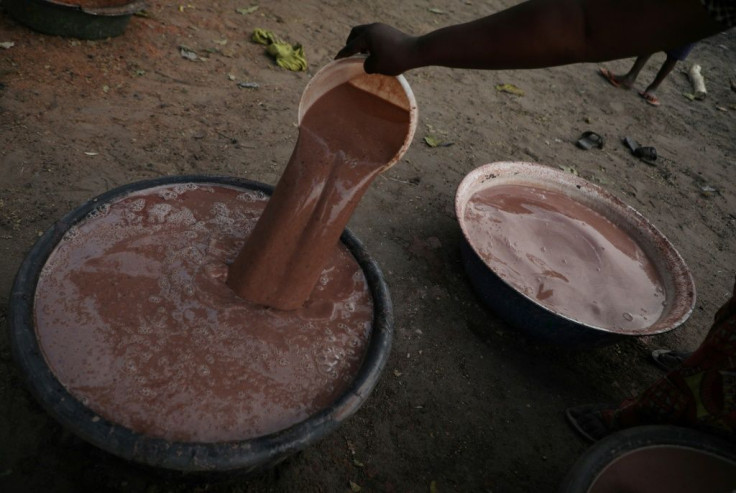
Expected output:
(99, 211)
(154, 299)
(184, 187)
(71, 234)
(328, 359)
(220, 209)
(168, 194)
(157, 213)
(251, 196)
(183, 216)
(137, 205)
(203, 370)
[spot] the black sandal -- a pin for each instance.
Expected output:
(589, 140)
(668, 359)
(588, 422)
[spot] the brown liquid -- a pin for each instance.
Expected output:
(135, 320)
(565, 256)
(667, 468)
(345, 140)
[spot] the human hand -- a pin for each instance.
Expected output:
(390, 51)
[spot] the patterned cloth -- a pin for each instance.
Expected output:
(701, 393)
(723, 11)
(680, 53)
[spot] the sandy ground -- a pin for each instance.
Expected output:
(466, 403)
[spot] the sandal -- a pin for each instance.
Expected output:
(589, 140)
(609, 76)
(651, 99)
(647, 154)
(588, 421)
(668, 359)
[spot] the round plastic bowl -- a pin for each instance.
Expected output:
(395, 90)
(242, 456)
(533, 318)
(654, 459)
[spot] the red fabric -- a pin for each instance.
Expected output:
(701, 393)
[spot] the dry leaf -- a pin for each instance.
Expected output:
(247, 10)
(509, 88)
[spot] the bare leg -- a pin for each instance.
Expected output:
(664, 71)
(628, 80)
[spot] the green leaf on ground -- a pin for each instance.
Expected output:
(246, 10)
(509, 88)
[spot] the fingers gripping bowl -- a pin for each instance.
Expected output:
(565, 261)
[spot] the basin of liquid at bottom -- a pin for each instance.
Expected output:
(670, 468)
(134, 319)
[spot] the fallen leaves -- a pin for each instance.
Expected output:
(434, 141)
(509, 88)
(188, 53)
(247, 10)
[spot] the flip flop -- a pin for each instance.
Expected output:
(649, 98)
(647, 154)
(589, 140)
(587, 421)
(631, 144)
(667, 359)
(609, 76)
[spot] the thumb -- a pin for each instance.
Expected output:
(358, 45)
(371, 65)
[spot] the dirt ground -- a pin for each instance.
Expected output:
(466, 403)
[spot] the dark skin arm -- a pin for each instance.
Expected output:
(538, 33)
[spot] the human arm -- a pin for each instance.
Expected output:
(538, 33)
